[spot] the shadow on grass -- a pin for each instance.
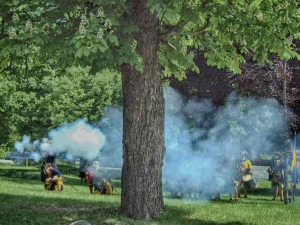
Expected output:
(175, 215)
(52, 210)
(57, 210)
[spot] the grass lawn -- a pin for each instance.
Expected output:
(24, 201)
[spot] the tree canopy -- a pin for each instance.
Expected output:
(95, 33)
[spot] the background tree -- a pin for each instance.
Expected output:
(268, 81)
(256, 81)
(134, 37)
(40, 92)
(35, 105)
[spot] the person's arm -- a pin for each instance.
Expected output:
(250, 164)
(270, 170)
(55, 171)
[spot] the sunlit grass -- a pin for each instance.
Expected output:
(24, 201)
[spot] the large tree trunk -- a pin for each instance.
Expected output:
(143, 136)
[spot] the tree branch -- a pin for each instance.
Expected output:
(26, 64)
(182, 23)
(173, 31)
(203, 29)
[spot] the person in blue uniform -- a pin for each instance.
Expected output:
(276, 175)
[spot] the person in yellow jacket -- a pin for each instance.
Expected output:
(54, 179)
(245, 168)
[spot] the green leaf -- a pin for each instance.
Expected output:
(67, 16)
(286, 55)
(255, 4)
(79, 52)
(86, 52)
(113, 39)
(295, 54)
(39, 40)
(102, 45)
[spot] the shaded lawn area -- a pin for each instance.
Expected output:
(24, 201)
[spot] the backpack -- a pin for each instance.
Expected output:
(43, 176)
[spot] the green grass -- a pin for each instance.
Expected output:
(24, 201)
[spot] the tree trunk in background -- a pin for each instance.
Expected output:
(143, 131)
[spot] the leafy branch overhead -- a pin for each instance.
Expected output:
(227, 30)
(94, 32)
(39, 37)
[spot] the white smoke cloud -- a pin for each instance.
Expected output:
(79, 139)
(200, 138)
(26, 144)
(111, 124)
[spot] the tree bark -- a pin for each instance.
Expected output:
(143, 131)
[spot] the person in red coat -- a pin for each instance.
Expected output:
(91, 171)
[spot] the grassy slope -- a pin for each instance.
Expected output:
(24, 201)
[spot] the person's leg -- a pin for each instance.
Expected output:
(59, 184)
(48, 184)
(91, 187)
(294, 192)
(108, 187)
(275, 192)
(293, 189)
(231, 190)
(53, 184)
(245, 187)
(82, 176)
(281, 192)
(217, 195)
(236, 193)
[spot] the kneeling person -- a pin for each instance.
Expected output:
(54, 179)
(105, 187)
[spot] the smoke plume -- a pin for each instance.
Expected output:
(203, 142)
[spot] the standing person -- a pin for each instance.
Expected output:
(54, 179)
(295, 172)
(97, 179)
(276, 175)
(235, 184)
(212, 189)
(91, 171)
(83, 170)
(82, 175)
(233, 175)
(245, 168)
